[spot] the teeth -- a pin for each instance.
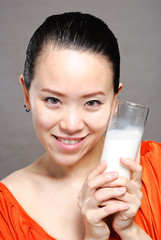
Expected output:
(66, 141)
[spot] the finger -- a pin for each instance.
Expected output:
(133, 199)
(134, 205)
(136, 173)
(119, 182)
(112, 208)
(102, 179)
(131, 186)
(98, 170)
(105, 194)
(96, 215)
(136, 169)
(138, 155)
(88, 188)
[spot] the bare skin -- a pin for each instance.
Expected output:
(66, 191)
(49, 207)
(37, 189)
(42, 189)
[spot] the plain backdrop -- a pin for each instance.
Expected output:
(137, 26)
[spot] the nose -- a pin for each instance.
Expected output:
(71, 121)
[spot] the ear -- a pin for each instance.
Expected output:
(25, 91)
(120, 88)
(115, 95)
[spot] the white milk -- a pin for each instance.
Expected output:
(120, 143)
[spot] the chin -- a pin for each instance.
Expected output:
(66, 159)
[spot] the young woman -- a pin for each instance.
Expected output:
(70, 81)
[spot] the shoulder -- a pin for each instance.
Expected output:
(150, 146)
(16, 181)
(151, 177)
(15, 192)
(15, 203)
(9, 209)
(19, 185)
(151, 159)
(22, 179)
(149, 214)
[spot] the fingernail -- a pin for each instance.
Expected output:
(103, 162)
(125, 160)
(113, 174)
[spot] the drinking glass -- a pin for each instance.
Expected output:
(123, 135)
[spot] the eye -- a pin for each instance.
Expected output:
(93, 103)
(52, 100)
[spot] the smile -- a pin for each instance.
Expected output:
(69, 141)
(69, 144)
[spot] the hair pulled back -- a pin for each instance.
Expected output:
(73, 30)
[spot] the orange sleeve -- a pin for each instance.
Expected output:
(149, 215)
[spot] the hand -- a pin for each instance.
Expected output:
(91, 197)
(123, 222)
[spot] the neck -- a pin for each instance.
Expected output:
(78, 170)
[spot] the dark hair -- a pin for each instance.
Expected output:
(73, 30)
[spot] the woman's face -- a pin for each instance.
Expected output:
(70, 97)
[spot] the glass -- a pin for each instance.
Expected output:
(124, 134)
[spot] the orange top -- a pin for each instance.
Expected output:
(16, 224)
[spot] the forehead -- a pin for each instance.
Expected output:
(69, 66)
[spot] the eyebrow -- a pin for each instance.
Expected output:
(63, 95)
(52, 92)
(93, 94)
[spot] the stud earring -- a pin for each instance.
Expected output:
(27, 109)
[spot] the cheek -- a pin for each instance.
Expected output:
(43, 118)
(98, 122)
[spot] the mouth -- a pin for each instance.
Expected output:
(69, 143)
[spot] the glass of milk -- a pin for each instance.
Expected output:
(124, 134)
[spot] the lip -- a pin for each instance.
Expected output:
(69, 147)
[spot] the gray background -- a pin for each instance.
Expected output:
(136, 24)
